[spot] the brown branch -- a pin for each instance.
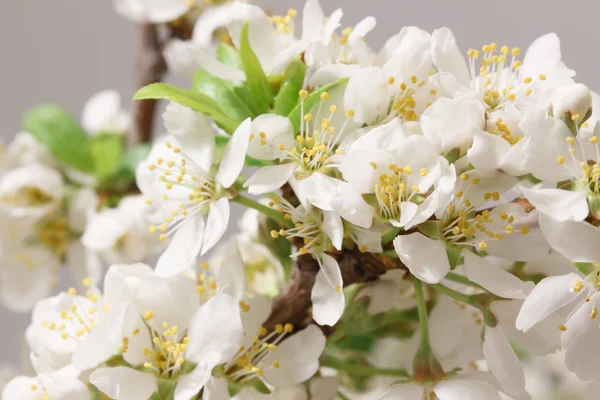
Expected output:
(293, 303)
(149, 67)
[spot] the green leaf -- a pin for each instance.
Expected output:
(189, 98)
(452, 155)
(228, 55)
(54, 128)
(296, 114)
(106, 150)
(222, 92)
(288, 95)
(256, 80)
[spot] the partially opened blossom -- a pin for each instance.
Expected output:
(103, 113)
(180, 178)
(120, 235)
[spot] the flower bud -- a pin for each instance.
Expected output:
(572, 104)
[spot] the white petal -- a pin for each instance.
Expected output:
(350, 205)
(215, 328)
(333, 228)
(446, 329)
(561, 205)
(269, 133)
(215, 389)
(496, 280)
(94, 349)
(575, 240)
(544, 338)
(405, 391)
(582, 342)
(407, 212)
(328, 303)
(103, 231)
(216, 223)
(154, 11)
(548, 296)
(368, 110)
(183, 248)
(320, 189)
(194, 133)
(270, 178)
(356, 40)
(463, 389)
(447, 57)
(489, 151)
(331, 73)
(100, 110)
(189, 385)
(425, 258)
(298, 356)
(234, 155)
(122, 383)
(312, 20)
(502, 361)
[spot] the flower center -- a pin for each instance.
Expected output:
(496, 84)
(395, 187)
(182, 174)
(166, 355)
(27, 196)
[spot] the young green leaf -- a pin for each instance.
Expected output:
(255, 75)
(106, 151)
(287, 98)
(228, 55)
(295, 116)
(189, 98)
(54, 128)
(222, 92)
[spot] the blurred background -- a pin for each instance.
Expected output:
(63, 51)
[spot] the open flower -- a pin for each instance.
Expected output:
(572, 161)
(61, 385)
(34, 249)
(179, 177)
(501, 80)
(572, 295)
(401, 174)
(309, 160)
(318, 232)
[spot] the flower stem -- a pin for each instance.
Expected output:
(359, 369)
(463, 298)
(461, 279)
(425, 365)
(268, 211)
(422, 311)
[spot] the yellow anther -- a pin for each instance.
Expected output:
(563, 328)
(483, 245)
(324, 96)
(560, 159)
(594, 313)
(593, 139)
(303, 94)
(525, 230)
(391, 80)
(515, 51)
(350, 114)
(578, 287)
(148, 314)
(72, 292)
(288, 328)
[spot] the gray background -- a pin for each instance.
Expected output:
(63, 51)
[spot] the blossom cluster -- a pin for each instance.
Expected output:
(420, 220)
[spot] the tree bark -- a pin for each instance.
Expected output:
(150, 67)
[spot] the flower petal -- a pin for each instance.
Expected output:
(561, 205)
(216, 224)
(578, 241)
(122, 383)
(215, 328)
(183, 248)
(298, 356)
(502, 361)
(447, 57)
(270, 178)
(425, 258)
(496, 280)
(234, 155)
(550, 295)
(328, 303)
(333, 228)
